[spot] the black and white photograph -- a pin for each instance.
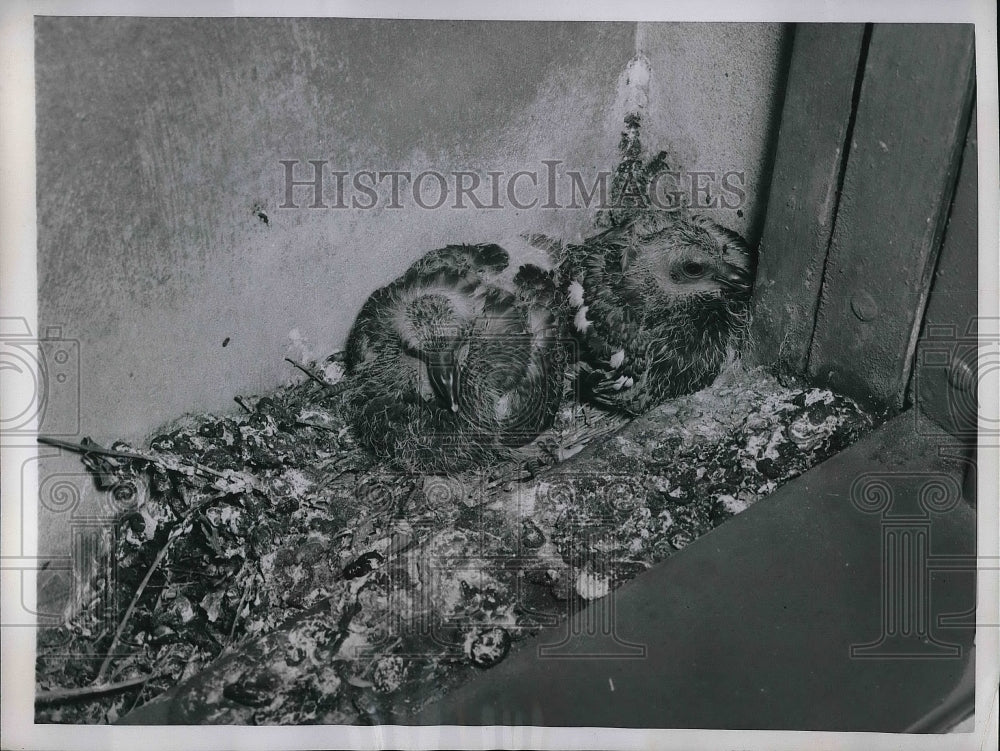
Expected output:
(385, 377)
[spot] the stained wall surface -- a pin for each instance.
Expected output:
(160, 180)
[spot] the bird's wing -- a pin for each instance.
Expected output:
(513, 372)
(619, 382)
(370, 328)
(607, 317)
(554, 249)
(460, 259)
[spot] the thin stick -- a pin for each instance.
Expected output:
(160, 555)
(242, 403)
(313, 376)
(307, 424)
(236, 617)
(82, 449)
(61, 695)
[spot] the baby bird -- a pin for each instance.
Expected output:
(458, 360)
(655, 310)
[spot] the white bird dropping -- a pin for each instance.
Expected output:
(637, 74)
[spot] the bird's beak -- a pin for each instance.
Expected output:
(735, 279)
(442, 372)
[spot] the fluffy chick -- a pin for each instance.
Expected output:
(457, 360)
(655, 311)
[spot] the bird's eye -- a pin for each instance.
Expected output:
(693, 269)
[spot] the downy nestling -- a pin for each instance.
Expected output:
(458, 360)
(655, 309)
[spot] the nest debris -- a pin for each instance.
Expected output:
(278, 574)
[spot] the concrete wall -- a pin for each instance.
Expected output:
(159, 150)
(715, 92)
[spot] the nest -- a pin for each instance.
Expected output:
(270, 571)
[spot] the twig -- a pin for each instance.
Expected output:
(160, 555)
(85, 449)
(61, 695)
(325, 384)
(236, 617)
(242, 403)
(95, 449)
(307, 424)
(126, 662)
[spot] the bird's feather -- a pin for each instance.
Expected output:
(651, 332)
(459, 358)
